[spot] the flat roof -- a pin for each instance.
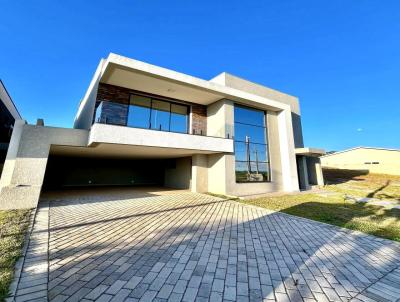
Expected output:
(133, 74)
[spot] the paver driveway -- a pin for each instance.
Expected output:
(130, 246)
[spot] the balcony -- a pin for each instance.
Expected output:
(117, 123)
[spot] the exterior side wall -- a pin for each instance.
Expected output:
(389, 160)
(25, 165)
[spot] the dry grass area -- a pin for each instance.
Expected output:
(338, 210)
(360, 184)
(334, 209)
(13, 225)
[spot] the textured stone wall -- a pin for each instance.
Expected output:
(199, 119)
(115, 104)
(113, 93)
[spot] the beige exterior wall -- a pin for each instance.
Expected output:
(356, 159)
(22, 177)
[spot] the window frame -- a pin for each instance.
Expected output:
(162, 99)
(266, 144)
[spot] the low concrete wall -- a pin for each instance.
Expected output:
(25, 165)
(101, 133)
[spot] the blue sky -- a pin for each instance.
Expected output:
(341, 58)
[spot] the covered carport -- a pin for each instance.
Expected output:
(108, 165)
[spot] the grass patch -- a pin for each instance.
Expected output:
(222, 196)
(13, 225)
(335, 210)
(355, 183)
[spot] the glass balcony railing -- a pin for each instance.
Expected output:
(159, 116)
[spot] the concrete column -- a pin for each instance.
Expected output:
(303, 173)
(220, 123)
(220, 119)
(316, 176)
(288, 155)
(217, 173)
(320, 174)
(315, 170)
(199, 173)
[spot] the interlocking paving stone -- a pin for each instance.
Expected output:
(125, 246)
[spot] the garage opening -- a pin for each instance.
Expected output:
(72, 172)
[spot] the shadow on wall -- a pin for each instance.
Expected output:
(337, 176)
(261, 252)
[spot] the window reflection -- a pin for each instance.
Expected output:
(149, 113)
(139, 111)
(251, 152)
(160, 112)
(250, 116)
(179, 121)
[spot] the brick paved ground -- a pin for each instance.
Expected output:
(186, 247)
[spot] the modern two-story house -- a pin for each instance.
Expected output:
(140, 125)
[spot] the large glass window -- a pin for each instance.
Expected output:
(251, 147)
(146, 112)
(139, 111)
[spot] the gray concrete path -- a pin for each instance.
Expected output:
(122, 245)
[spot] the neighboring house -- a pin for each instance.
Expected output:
(8, 115)
(373, 160)
(139, 124)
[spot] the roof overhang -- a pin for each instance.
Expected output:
(129, 73)
(313, 152)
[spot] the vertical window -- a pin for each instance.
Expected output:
(251, 148)
(139, 111)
